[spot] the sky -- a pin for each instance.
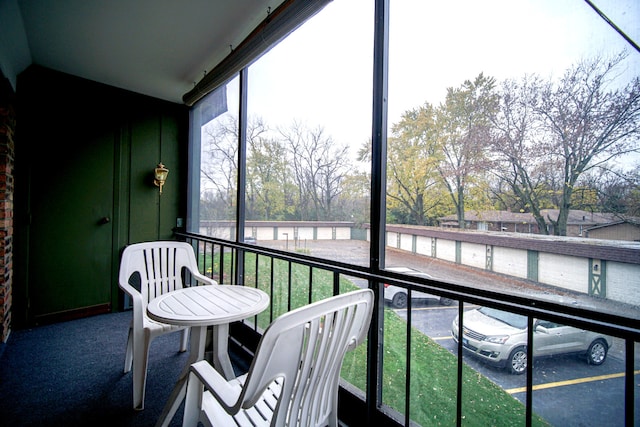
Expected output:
(321, 75)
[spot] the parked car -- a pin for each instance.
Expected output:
(500, 337)
(398, 295)
(250, 239)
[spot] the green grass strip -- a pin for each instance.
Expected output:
(433, 368)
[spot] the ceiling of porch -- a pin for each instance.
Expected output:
(153, 47)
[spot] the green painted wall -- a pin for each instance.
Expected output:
(84, 189)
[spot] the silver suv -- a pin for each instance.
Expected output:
(398, 295)
(500, 337)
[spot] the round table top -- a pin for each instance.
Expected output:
(207, 305)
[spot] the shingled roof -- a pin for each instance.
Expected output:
(577, 217)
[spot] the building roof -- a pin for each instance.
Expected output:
(576, 217)
(632, 220)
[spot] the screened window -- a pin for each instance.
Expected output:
(507, 140)
(308, 120)
(214, 155)
(511, 137)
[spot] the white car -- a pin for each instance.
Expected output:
(500, 338)
(398, 295)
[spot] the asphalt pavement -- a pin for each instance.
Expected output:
(357, 252)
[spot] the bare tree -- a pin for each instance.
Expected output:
(549, 134)
(319, 169)
(268, 177)
(615, 191)
(587, 124)
(219, 165)
(519, 161)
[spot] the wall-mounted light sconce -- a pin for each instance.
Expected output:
(160, 175)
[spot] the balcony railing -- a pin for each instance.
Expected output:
(277, 272)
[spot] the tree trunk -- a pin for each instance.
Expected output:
(563, 214)
(460, 208)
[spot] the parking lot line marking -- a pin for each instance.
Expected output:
(569, 382)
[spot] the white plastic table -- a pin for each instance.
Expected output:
(199, 307)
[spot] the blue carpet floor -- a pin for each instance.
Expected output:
(71, 374)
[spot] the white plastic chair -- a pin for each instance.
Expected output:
(160, 266)
(293, 379)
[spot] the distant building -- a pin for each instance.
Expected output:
(515, 222)
(627, 229)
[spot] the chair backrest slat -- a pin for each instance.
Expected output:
(159, 264)
(314, 339)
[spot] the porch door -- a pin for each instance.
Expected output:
(70, 251)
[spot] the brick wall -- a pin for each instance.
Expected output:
(7, 147)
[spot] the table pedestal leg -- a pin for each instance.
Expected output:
(221, 360)
(196, 353)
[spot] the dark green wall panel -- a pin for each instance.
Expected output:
(174, 156)
(85, 155)
(145, 154)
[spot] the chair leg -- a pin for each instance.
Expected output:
(192, 402)
(140, 360)
(185, 340)
(128, 358)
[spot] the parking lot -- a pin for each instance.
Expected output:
(557, 380)
(357, 252)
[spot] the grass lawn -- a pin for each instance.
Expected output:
(433, 368)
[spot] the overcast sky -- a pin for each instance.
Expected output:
(433, 45)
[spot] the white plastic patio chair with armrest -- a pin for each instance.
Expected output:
(293, 379)
(161, 268)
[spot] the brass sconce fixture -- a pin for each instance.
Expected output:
(160, 175)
